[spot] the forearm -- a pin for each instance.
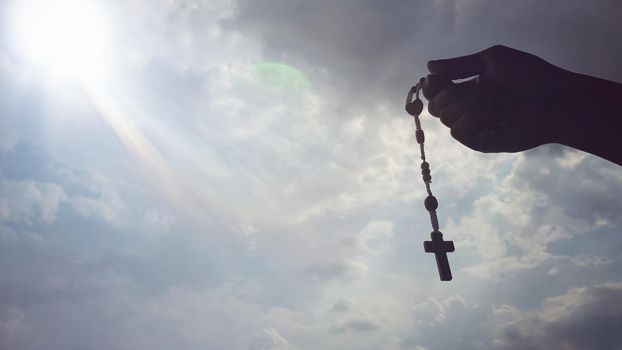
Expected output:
(590, 110)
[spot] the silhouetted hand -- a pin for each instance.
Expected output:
(511, 106)
(518, 101)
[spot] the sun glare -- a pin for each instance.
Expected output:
(69, 38)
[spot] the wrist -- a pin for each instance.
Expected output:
(587, 115)
(565, 107)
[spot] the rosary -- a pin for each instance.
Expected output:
(437, 246)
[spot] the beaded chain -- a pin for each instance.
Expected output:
(437, 245)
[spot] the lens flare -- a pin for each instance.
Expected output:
(280, 76)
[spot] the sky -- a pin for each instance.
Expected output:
(242, 175)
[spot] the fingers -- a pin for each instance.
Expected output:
(473, 116)
(459, 67)
(433, 84)
(468, 130)
(464, 129)
(449, 95)
(477, 100)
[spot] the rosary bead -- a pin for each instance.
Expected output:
(425, 165)
(420, 136)
(427, 178)
(414, 108)
(430, 203)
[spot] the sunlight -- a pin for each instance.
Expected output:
(69, 38)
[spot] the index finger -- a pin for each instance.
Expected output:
(459, 67)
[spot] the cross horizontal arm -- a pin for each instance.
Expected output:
(439, 246)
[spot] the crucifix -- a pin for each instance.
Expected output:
(440, 249)
(436, 245)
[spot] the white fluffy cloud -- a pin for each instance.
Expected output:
(550, 195)
(29, 201)
(269, 339)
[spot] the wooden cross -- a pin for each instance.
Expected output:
(440, 249)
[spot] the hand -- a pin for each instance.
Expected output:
(513, 103)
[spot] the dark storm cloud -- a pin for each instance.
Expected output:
(326, 33)
(379, 48)
(578, 35)
(361, 45)
(584, 318)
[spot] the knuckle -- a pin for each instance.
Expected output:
(497, 49)
(497, 54)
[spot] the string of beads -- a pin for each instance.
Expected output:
(414, 108)
(436, 245)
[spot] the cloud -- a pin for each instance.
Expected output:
(290, 210)
(583, 318)
(29, 201)
(8, 140)
(116, 312)
(348, 45)
(337, 270)
(585, 187)
(375, 236)
(552, 194)
(108, 206)
(553, 32)
(456, 323)
(434, 311)
(342, 305)
(269, 339)
(363, 48)
(355, 325)
(14, 330)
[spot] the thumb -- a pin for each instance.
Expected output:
(459, 67)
